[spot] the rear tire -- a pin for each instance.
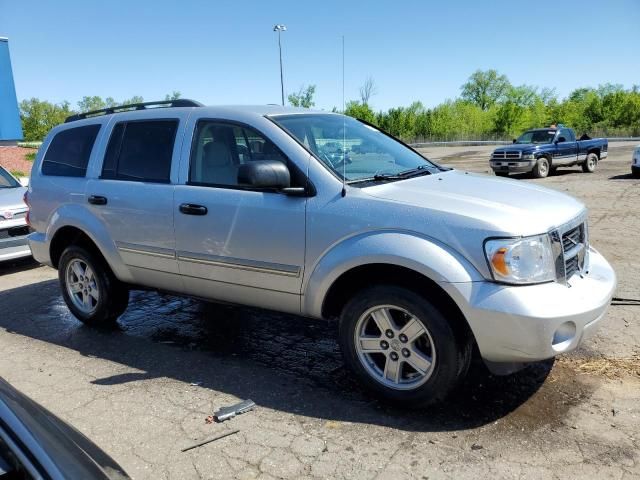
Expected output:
(589, 165)
(542, 167)
(401, 346)
(89, 288)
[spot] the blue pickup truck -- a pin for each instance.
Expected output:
(542, 150)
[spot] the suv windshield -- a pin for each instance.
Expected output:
(361, 151)
(537, 136)
(6, 180)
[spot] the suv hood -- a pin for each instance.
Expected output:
(502, 206)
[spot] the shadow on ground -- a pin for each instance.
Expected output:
(282, 362)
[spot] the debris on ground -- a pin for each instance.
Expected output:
(209, 419)
(610, 367)
(226, 413)
(219, 437)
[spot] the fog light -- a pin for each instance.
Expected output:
(564, 336)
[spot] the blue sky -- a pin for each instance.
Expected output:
(222, 52)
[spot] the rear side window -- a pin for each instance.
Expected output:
(140, 151)
(69, 152)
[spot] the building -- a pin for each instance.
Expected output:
(10, 128)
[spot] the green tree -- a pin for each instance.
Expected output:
(89, 104)
(303, 97)
(132, 100)
(485, 88)
(360, 111)
(175, 95)
(38, 117)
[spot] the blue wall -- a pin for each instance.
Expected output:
(10, 128)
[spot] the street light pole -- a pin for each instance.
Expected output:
(280, 28)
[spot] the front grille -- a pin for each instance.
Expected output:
(15, 215)
(571, 266)
(507, 155)
(574, 249)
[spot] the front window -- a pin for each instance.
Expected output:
(537, 137)
(6, 180)
(348, 146)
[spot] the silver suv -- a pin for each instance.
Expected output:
(321, 215)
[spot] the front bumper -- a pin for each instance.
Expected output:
(13, 240)
(512, 166)
(519, 324)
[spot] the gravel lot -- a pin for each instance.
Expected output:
(143, 391)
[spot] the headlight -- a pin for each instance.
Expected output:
(528, 156)
(521, 260)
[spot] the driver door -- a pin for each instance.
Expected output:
(235, 243)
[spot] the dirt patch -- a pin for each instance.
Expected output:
(603, 366)
(15, 159)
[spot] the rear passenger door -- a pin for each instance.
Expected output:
(133, 197)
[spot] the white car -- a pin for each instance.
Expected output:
(13, 218)
(635, 162)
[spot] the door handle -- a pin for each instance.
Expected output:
(97, 200)
(192, 209)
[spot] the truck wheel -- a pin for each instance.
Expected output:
(541, 169)
(89, 288)
(589, 165)
(401, 346)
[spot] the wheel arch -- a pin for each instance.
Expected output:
(378, 257)
(358, 278)
(80, 228)
(595, 150)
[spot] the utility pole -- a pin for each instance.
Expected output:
(280, 28)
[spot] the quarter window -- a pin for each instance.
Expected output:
(568, 135)
(140, 151)
(69, 152)
(219, 148)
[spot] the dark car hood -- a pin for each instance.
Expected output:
(56, 449)
(520, 147)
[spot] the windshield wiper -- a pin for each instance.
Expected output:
(383, 177)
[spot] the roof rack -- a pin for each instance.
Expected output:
(180, 102)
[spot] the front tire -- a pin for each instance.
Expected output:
(89, 288)
(401, 346)
(542, 167)
(589, 165)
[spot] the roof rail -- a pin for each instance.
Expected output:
(180, 102)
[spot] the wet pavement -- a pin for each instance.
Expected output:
(142, 390)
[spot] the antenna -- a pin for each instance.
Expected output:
(344, 131)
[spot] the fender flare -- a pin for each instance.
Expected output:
(411, 250)
(74, 215)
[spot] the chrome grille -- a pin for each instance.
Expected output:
(15, 216)
(507, 155)
(574, 250)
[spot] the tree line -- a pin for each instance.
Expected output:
(489, 107)
(40, 116)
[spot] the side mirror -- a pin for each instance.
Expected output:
(264, 174)
(562, 139)
(514, 141)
